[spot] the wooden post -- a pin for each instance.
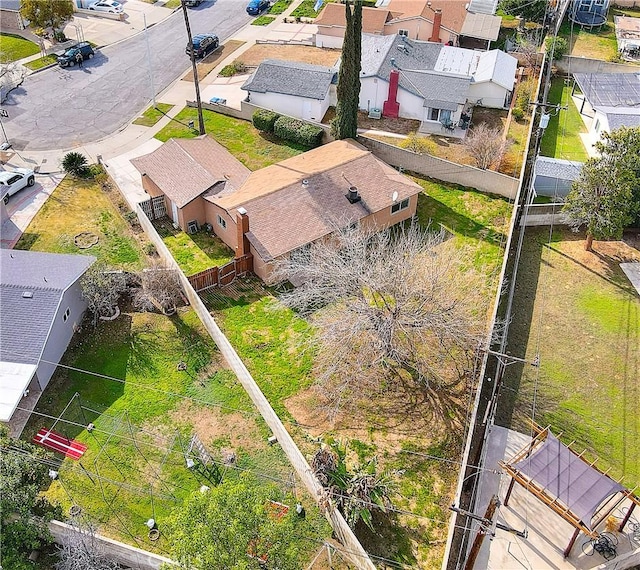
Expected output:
(508, 495)
(571, 542)
(626, 518)
(477, 542)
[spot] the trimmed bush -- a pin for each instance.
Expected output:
(297, 131)
(263, 120)
(420, 145)
(233, 69)
(517, 113)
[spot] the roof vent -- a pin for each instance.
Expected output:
(353, 195)
(27, 294)
(305, 182)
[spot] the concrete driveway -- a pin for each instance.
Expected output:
(227, 88)
(24, 205)
(104, 31)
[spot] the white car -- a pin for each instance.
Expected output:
(107, 6)
(12, 182)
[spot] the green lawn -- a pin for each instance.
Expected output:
(263, 20)
(41, 62)
(561, 137)
(134, 467)
(153, 114)
(585, 319)
(253, 148)
(194, 252)
(82, 206)
(305, 10)
(13, 48)
(279, 6)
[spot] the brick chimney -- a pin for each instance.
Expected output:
(437, 22)
(391, 107)
(242, 228)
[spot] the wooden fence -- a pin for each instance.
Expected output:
(222, 275)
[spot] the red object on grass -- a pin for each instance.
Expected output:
(52, 440)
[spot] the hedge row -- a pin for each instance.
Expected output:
(288, 128)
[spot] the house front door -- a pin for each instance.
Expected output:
(174, 212)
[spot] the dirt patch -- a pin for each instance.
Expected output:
(398, 126)
(223, 431)
(306, 54)
(206, 65)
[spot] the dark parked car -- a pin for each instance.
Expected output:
(256, 6)
(203, 44)
(193, 3)
(69, 56)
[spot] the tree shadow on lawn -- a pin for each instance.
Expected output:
(103, 350)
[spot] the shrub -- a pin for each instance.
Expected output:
(233, 68)
(263, 120)
(59, 36)
(418, 144)
(559, 45)
(132, 218)
(298, 131)
(150, 249)
(517, 113)
(524, 92)
(75, 164)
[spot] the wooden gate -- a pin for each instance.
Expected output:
(154, 208)
(227, 273)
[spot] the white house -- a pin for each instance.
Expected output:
(296, 89)
(607, 101)
(431, 82)
(41, 305)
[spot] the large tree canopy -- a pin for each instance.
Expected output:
(606, 196)
(393, 308)
(531, 10)
(48, 13)
(231, 526)
(345, 124)
(23, 512)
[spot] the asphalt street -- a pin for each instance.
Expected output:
(66, 107)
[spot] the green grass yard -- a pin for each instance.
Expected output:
(82, 206)
(153, 114)
(41, 62)
(251, 147)
(13, 48)
(561, 137)
(585, 323)
(263, 20)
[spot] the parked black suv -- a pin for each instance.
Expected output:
(203, 44)
(69, 56)
(256, 6)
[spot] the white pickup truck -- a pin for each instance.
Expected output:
(15, 180)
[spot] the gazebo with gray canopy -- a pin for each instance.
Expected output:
(566, 483)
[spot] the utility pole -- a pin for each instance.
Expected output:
(146, 38)
(193, 66)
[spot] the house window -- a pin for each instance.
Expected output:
(222, 222)
(66, 314)
(400, 206)
(442, 115)
(403, 33)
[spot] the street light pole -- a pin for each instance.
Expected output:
(146, 37)
(193, 65)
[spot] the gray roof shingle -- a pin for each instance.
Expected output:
(606, 90)
(291, 78)
(26, 321)
(557, 168)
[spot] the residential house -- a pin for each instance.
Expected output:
(10, 17)
(182, 172)
(454, 22)
(607, 101)
(553, 177)
(431, 82)
(295, 89)
(286, 206)
(42, 306)
(628, 36)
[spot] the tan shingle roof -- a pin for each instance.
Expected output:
(453, 11)
(285, 214)
(373, 19)
(185, 168)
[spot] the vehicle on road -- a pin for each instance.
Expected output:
(69, 56)
(110, 6)
(14, 181)
(203, 44)
(193, 3)
(255, 7)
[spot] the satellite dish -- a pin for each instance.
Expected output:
(394, 197)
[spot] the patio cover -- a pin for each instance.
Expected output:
(14, 380)
(566, 476)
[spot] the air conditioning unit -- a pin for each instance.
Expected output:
(192, 226)
(375, 113)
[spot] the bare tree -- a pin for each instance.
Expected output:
(11, 77)
(394, 308)
(161, 290)
(528, 48)
(82, 551)
(102, 287)
(486, 145)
